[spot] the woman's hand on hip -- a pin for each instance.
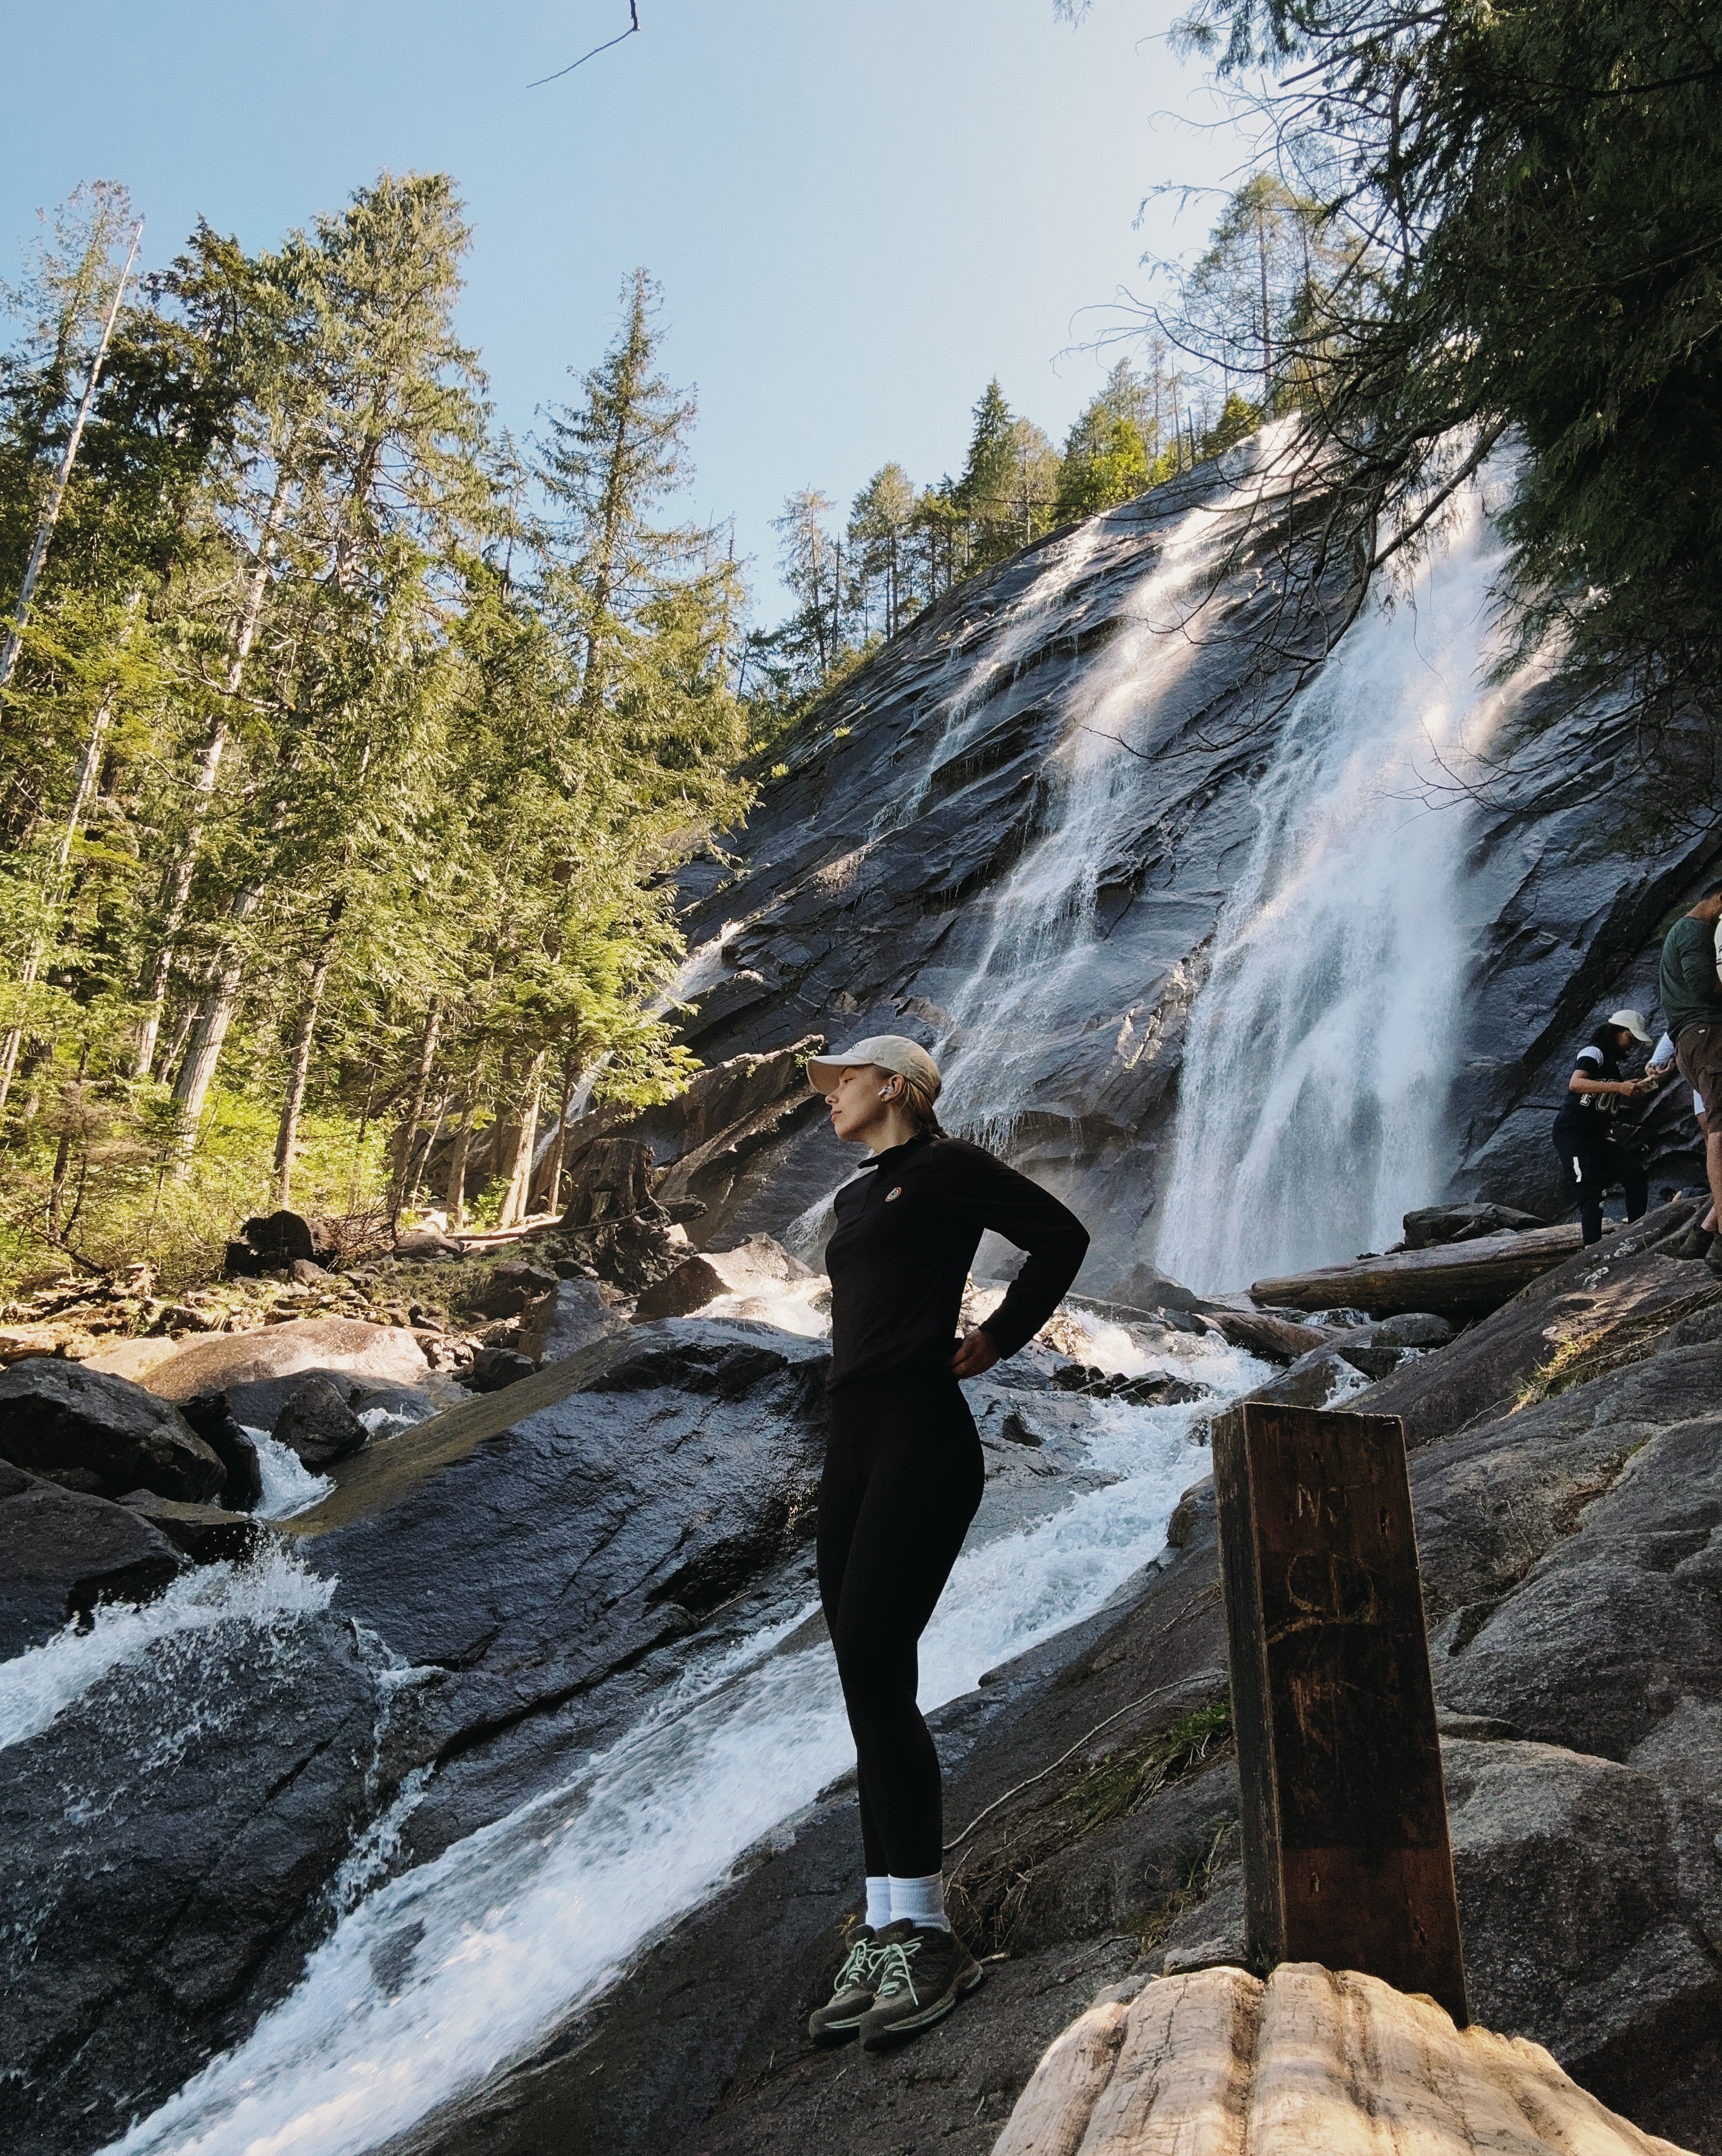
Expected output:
(978, 1352)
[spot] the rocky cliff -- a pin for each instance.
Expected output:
(1014, 835)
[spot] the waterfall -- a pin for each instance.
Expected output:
(1035, 975)
(1312, 1107)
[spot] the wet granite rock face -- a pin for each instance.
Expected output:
(1569, 1563)
(101, 1434)
(163, 1871)
(63, 1551)
(864, 905)
(530, 1572)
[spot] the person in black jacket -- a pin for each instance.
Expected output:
(902, 1480)
(1583, 1124)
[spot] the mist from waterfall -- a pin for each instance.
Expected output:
(1313, 1102)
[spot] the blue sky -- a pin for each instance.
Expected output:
(858, 210)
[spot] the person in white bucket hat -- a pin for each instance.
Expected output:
(902, 1480)
(1584, 1131)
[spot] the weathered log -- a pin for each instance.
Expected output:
(1472, 1277)
(1346, 1858)
(1313, 2062)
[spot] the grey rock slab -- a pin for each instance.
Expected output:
(1569, 1902)
(165, 1844)
(62, 1552)
(386, 1354)
(678, 1463)
(101, 1433)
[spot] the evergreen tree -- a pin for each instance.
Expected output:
(880, 520)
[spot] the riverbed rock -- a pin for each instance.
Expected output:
(1273, 1339)
(165, 1847)
(509, 1288)
(318, 1423)
(211, 1415)
(578, 1314)
(753, 1267)
(101, 1434)
(529, 1544)
(206, 1534)
(386, 1354)
(62, 1552)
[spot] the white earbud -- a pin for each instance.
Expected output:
(885, 1092)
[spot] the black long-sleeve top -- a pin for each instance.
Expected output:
(907, 1230)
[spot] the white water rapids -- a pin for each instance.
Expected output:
(441, 1977)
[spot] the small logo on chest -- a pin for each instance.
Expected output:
(890, 1194)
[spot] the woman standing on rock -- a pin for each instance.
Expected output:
(902, 1482)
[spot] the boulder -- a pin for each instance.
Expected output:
(1312, 1381)
(387, 1354)
(1431, 1225)
(1467, 1277)
(319, 1425)
(611, 1179)
(756, 1266)
(1153, 1388)
(205, 1532)
(1147, 1288)
(580, 1312)
(280, 1238)
(101, 1434)
(509, 1288)
(1416, 1328)
(494, 1368)
(211, 1415)
(62, 1552)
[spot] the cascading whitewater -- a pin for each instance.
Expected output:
(1312, 1104)
(1032, 973)
(441, 1977)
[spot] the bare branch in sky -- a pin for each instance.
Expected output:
(633, 11)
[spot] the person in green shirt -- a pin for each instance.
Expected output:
(1691, 991)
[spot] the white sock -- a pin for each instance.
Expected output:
(878, 1901)
(922, 1901)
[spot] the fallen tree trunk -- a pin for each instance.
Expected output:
(1472, 1277)
(1312, 2063)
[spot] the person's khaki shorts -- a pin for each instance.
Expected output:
(1698, 1056)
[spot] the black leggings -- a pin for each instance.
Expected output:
(903, 1479)
(1593, 1167)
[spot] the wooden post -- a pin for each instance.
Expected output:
(1346, 1859)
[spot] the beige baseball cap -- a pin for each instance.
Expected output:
(1633, 1022)
(886, 1051)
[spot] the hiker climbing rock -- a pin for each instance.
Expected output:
(1691, 994)
(1696, 1241)
(1584, 1125)
(903, 1479)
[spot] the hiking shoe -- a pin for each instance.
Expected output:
(851, 1992)
(919, 1974)
(1695, 1243)
(1713, 1256)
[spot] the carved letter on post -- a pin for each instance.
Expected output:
(1346, 1859)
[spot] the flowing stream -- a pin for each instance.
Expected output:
(441, 1977)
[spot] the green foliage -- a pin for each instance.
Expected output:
(351, 753)
(1529, 196)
